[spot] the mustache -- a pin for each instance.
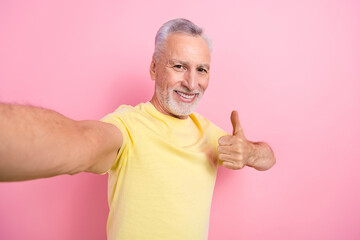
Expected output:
(186, 90)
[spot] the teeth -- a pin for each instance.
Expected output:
(188, 96)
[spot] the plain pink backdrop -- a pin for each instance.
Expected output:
(291, 69)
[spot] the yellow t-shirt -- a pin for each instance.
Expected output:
(161, 184)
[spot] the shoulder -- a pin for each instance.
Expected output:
(203, 121)
(207, 125)
(123, 112)
(123, 118)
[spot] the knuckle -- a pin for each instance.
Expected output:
(242, 165)
(239, 165)
(222, 139)
(238, 148)
(238, 140)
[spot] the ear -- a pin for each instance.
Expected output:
(152, 69)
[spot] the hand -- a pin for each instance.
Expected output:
(235, 150)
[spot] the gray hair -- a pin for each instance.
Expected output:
(179, 25)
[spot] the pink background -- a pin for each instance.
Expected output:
(291, 69)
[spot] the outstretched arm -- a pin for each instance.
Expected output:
(41, 143)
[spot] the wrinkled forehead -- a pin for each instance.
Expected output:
(187, 48)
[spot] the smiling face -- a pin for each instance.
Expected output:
(181, 74)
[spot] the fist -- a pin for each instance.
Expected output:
(234, 150)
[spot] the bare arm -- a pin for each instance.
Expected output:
(40, 143)
(262, 157)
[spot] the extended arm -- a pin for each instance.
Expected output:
(40, 143)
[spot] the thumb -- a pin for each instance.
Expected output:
(237, 129)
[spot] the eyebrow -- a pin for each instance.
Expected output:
(174, 61)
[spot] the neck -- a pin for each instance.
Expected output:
(157, 104)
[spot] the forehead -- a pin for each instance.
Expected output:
(184, 47)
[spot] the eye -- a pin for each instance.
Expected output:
(179, 67)
(202, 70)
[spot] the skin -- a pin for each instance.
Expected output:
(185, 65)
(236, 152)
(41, 143)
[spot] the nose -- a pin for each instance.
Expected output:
(191, 81)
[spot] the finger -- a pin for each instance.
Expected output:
(230, 157)
(226, 140)
(228, 165)
(232, 166)
(233, 148)
(237, 129)
(227, 149)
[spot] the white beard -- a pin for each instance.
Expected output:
(178, 108)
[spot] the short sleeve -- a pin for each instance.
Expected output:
(118, 120)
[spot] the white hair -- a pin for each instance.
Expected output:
(179, 25)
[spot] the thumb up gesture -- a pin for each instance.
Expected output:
(235, 150)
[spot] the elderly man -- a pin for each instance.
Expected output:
(161, 158)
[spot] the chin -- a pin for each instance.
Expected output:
(178, 109)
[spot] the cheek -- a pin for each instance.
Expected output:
(204, 83)
(172, 79)
(166, 81)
